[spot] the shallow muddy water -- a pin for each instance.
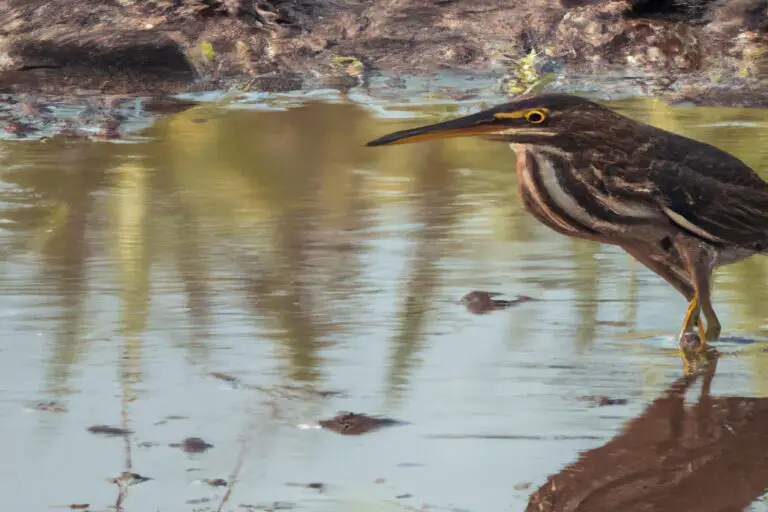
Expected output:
(218, 276)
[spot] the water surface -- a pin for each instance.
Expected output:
(273, 246)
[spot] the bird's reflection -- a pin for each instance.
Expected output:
(709, 456)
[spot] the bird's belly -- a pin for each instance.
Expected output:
(546, 198)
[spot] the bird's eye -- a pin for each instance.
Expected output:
(535, 116)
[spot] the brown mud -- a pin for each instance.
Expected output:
(353, 424)
(696, 50)
(192, 445)
(480, 302)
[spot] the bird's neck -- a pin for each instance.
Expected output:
(538, 149)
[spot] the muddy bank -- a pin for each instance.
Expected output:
(127, 46)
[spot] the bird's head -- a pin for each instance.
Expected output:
(560, 120)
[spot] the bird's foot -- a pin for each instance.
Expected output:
(698, 360)
(694, 341)
(690, 346)
(713, 332)
(694, 351)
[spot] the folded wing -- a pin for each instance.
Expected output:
(714, 207)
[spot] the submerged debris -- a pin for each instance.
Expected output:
(224, 376)
(51, 406)
(95, 118)
(319, 393)
(613, 323)
(169, 418)
(270, 507)
(79, 506)
(127, 478)
(192, 445)
(318, 486)
(480, 302)
(352, 424)
(109, 431)
(280, 391)
(198, 501)
(603, 401)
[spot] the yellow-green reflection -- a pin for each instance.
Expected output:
(287, 203)
(49, 214)
(435, 211)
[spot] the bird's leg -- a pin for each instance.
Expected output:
(699, 262)
(694, 350)
(668, 266)
(700, 328)
(669, 270)
(713, 324)
(692, 317)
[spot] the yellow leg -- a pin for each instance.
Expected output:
(694, 315)
(688, 352)
(691, 315)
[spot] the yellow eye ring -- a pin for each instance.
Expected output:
(535, 116)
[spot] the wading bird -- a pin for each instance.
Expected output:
(679, 206)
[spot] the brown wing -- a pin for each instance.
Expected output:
(699, 187)
(715, 206)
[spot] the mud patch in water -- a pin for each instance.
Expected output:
(481, 302)
(353, 424)
(108, 430)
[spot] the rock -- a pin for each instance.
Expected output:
(138, 51)
(601, 35)
(103, 60)
(737, 15)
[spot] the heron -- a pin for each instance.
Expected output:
(679, 206)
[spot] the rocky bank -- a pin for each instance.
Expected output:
(706, 48)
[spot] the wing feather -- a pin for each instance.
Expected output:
(711, 208)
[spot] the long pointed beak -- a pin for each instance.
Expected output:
(481, 123)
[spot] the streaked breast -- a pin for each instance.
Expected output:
(568, 199)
